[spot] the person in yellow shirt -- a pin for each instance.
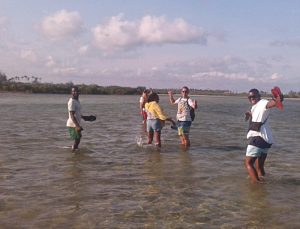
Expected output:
(155, 119)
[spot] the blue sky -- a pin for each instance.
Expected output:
(204, 44)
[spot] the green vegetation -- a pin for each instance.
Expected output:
(33, 84)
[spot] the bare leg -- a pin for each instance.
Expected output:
(249, 164)
(150, 137)
(185, 141)
(260, 165)
(76, 144)
(144, 126)
(182, 140)
(157, 138)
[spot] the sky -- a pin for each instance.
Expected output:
(203, 44)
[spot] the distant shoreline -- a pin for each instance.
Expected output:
(14, 86)
(163, 94)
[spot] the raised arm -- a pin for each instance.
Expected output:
(273, 102)
(171, 97)
(195, 104)
(277, 99)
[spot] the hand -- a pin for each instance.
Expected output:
(277, 95)
(78, 129)
(247, 115)
(195, 104)
(277, 98)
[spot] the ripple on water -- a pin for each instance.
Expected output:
(113, 182)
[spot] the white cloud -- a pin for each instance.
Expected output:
(65, 70)
(83, 49)
(293, 42)
(28, 55)
(275, 76)
(62, 24)
(115, 34)
(50, 62)
(3, 21)
(4, 25)
(223, 73)
(213, 75)
(118, 34)
(157, 30)
(62, 68)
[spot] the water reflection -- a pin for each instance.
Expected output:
(114, 183)
(257, 206)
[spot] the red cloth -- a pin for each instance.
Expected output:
(144, 114)
(276, 92)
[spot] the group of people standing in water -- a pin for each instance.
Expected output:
(154, 117)
(259, 134)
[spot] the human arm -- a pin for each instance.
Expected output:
(272, 103)
(172, 121)
(276, 100)
(77, 126)
(141, 107)
(162, 116)
(193, 103)
(158, 112)
(171, 97)
(142, 104)
(247, 115)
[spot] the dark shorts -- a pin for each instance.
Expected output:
(259, 142)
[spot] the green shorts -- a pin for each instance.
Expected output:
(73, 133)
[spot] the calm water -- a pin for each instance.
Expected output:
(111, 182)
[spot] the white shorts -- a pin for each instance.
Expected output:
(253, 151)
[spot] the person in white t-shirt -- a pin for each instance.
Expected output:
(75, 116)
(259, 133)
(184, 119)
(143, 101)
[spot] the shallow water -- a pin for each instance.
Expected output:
(111, 182)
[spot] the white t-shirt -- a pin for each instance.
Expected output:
(142, 101)
(74, 105)
(260, 114)
(183, 112)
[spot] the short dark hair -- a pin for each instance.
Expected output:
(75, 88)
(152, 97)
(255, 91)
(186, 88)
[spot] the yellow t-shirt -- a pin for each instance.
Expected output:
(154, 111)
